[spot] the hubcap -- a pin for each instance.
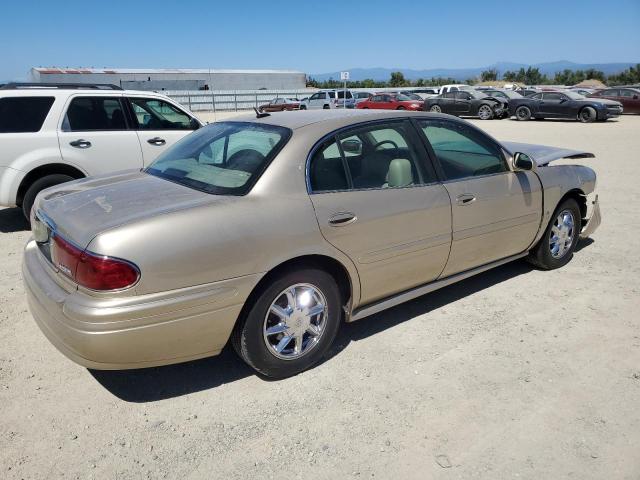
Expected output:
(522, 113)
(295, 321)
(436, 108)
(484, 112)
(562, 233)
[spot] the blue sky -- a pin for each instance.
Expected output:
(314, 37)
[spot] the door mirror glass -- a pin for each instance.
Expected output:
(352, 146)
(522, 161)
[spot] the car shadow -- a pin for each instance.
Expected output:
(12, 220)
(160, 383)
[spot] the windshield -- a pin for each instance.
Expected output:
(573, 95)
(401, 97)
(224, 158)
(507, 93)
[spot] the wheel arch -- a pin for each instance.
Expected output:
(323, 262)
(580, 197)
(43, 171)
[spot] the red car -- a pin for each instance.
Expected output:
(391, 101)
(281, 105)
(627, 96)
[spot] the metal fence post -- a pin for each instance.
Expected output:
(235, 99)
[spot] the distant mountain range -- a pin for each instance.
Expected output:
(548, 68)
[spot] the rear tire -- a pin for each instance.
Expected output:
(588, 115)
(258, 348)
(39, 185)
(303, 107)
(400, 108)
(523, 113)
(435, 109)
(326, 107)
(556, 247)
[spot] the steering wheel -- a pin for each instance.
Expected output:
(395, 145)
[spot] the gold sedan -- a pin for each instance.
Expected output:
(271, 230)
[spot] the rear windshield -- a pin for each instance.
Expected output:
(23, 114)
(224, 158)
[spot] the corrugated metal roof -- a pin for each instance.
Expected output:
(58, 70)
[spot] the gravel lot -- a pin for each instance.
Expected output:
(516, 373)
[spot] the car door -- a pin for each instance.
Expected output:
(377, 200)
(95, 134)
(159, 125)
(630, 100)
(317, 100)
(448, 103)
(496, 212)
(462, 105)
(554, 105)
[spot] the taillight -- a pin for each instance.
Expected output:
(97, 272)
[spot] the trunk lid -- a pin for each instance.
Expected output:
(80, 210)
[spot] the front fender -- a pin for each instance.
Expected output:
(559, 180)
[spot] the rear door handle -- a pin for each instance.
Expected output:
(80, 143)
(157, 141)
(342, 218)
(465, 199)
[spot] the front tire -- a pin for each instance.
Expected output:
(39, 185)
(556, 247)
(588, 115)
(291, 324)
(523, 113)
(485, 112)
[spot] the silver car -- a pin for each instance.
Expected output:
(270, 232)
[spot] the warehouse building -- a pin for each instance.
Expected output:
(174, 79)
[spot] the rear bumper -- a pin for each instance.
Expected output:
(593, 222)
(133, 332)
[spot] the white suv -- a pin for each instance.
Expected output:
(328, 99)
(50, 134)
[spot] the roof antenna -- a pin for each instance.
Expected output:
(260, 114)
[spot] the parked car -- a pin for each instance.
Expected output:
(270, 232)
(391, 101)
(470, 103)
(281, 105)
(60, 132)
(628, 97)
(361, 96)
(565, 104)
(327, 99)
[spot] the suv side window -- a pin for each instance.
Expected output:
(23, 114)
(154, 114)
(94, 114)
(462, 151)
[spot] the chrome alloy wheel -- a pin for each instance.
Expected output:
(485, 112)
(295, 321)
(436, 109)
(562, 234)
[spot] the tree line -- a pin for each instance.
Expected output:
(528, 76)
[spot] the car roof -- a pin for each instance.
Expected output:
(304, 118)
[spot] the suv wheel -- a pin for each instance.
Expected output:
(291, 324)
(39, 185)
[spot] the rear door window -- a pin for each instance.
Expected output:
(23, 114)
(94, 114)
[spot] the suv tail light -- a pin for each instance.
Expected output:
(97, 272)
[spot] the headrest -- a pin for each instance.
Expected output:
(400, 174)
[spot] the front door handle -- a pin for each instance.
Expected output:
(342, 218)
(80, 143)
(465, 199)
(157, 141)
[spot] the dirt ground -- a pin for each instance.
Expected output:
(516, 373)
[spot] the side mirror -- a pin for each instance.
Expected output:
(522, 161)
(352, 146)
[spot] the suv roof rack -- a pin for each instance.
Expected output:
(34, 85)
